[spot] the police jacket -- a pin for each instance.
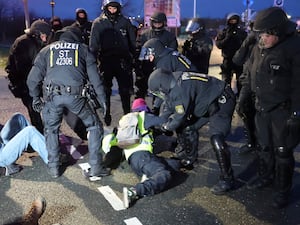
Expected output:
(166, 37)
(112, 38)
(192, 96)
(229, 40)
(173, 61)
(21, 57)
(243, 53)
(66, 64)
(198, 49)
(273, 75)
(85, 29)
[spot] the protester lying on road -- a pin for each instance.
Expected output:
(158, 171)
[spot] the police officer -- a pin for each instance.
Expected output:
(21, 56)
(245, 104)
(229, 41)
(84, 24)
(157, 29)
(56, 24)
(191, 100)
(166, 58)
(273, 77)
(61, 70)
(198, 46)
(113, 40)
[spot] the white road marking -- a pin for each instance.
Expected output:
(112, 198)
(133, 221)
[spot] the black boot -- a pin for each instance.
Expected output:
(107, 117)
(284, 170)
(187, 148)
(125, 99)
(265, 175)
(250, 146)
(226, 181)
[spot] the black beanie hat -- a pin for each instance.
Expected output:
(273, 20)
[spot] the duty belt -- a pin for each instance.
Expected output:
(62, 89)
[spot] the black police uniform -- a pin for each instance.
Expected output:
(21, 56)
(83, 24)
(245, 104)
(191, 100)
(229, 41)
(61, 70)
(197, 48)
(273, 77)
(113, 40)
(144, 68)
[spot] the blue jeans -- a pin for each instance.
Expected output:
(16, 135)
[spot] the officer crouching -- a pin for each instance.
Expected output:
(60, 72)
(190, 101)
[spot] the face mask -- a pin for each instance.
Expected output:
(82, 21)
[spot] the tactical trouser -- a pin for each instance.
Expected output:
(187, 145)
(284, 169)
(53, 113)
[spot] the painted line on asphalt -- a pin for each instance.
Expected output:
(133, 221)
(112, 198)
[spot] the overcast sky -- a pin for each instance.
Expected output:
(205, 8)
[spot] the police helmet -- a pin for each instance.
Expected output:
(81, 20)
(113, 3)
(158, 17)
(70, 33)
(160, 82)
(151, 47)
(194, 25)
(273, 21)
(233, 18)
(40, 26)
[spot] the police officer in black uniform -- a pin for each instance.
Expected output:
(157, 29)
(61, 71)
(165, 58)
(113, 40)
(245, 105)
(229, 41)
(84, 24)
(191, 100)
(273, 77)
(198, 46)
(21, 56)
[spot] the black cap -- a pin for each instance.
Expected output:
(274, 21)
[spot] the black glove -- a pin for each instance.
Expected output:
(155, 111)
(37, 104)
(293, 123)
(165, 131)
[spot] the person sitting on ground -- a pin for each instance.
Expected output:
(15, 137)
(159, 171)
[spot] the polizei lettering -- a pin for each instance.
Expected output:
(65, 53)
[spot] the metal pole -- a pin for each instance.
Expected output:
(52, 4)
(27, 20)
(195, 6)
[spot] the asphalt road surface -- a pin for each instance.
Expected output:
(73, 200)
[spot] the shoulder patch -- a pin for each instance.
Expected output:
(179, 109)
